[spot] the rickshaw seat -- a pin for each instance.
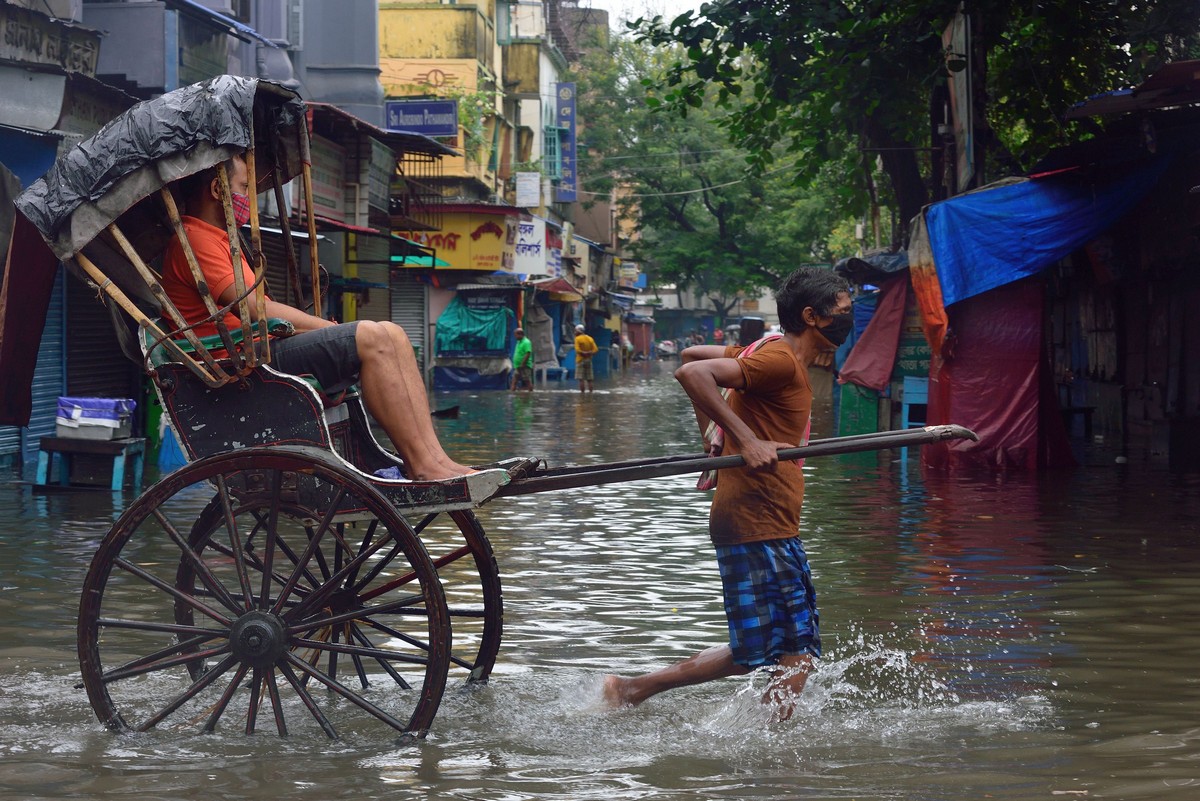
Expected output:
(276, 327)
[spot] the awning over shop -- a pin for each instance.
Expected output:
(622, 301)
(1176, 84)
(994, 236)
(232, 26)
(402, 248)
(559, 289)
(401, 141)
(418, 261)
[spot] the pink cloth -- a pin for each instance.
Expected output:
(714, 437)
(874, 354)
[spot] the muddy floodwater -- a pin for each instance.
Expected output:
(1004, 637)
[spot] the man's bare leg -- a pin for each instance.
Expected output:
(394, 393)
(787, 684)
(712, 663)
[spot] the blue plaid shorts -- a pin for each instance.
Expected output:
(769, 601)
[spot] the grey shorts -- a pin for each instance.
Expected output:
(330, 354)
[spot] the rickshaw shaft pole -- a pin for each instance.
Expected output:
(637, 470)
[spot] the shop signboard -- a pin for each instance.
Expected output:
(428, 117)
(565, 114)
(470, 241)
(531, 253)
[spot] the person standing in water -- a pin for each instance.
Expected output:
(585, 349)
(522, 362)
(754, 520)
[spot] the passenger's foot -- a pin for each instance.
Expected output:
(442, 473)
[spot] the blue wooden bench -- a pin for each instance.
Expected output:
(131, 450)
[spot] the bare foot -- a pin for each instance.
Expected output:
(615, 692)
(442, 472)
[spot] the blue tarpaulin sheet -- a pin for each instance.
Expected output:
(992, 237)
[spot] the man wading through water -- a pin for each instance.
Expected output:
(754, 520)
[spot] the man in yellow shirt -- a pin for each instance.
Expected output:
(585, 349)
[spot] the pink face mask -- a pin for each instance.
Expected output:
(241, 208)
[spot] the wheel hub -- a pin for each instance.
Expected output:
(258, 639)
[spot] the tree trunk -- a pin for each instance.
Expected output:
(900, 164)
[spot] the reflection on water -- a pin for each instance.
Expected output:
(987, 636)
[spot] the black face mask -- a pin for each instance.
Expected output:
(837, 331)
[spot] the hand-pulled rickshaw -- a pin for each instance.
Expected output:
(275, 580)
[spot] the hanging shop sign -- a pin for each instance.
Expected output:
(565, 114)
(428, 117)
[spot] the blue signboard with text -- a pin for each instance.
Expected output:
(565, 114)
(428, 117)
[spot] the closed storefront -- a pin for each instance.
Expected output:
(47, 377)
(410, 312)
(96, 366)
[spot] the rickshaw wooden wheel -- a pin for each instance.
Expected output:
(462, 556)
(471, 580)
(310, 602)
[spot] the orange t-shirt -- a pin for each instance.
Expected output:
(211, 246)
(775, 403)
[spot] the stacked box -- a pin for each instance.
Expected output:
(94, 418)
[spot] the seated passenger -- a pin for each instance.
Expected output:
(376, 354)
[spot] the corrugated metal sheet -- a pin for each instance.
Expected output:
(408, 311)
(96, 366)
(48, 376)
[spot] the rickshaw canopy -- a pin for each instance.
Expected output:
(115, 177)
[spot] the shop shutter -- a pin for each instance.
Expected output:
(96, 365)
(47, 376)
(408, 311)
(275, 250)
(379, 298)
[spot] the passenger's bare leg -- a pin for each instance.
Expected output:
(710, 664)
(394, 394)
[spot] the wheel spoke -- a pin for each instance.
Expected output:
(219, 708)
(200, 634)
(272, 537)
(306, 697)
(206, 575)
(303, 560)
(391, 607)
(191, 692)
(173, 648)
(235, 541)
(357, 633)
(140, 667)
(368, 535)
(190, 600)
(256, 687)
(372, 652)
(276, 703)
(346, 692)
(322, 594)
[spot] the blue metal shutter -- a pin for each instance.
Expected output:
(49, 376)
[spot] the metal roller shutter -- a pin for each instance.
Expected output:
(409, 312)
(47, 377)
(96, 366)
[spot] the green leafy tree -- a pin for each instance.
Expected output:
(810, 82)
(710, 218)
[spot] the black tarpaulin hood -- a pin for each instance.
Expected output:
(159, 141)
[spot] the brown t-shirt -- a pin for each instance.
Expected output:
(775, 403)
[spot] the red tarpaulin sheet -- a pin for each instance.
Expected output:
(874, 355)
(993, 380)
(29, 275)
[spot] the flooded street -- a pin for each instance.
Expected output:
(1007, 637)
